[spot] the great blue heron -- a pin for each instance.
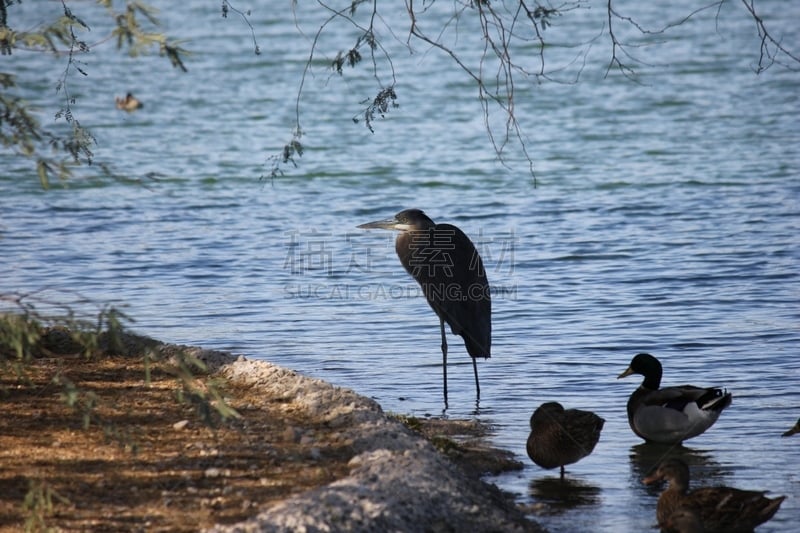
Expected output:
(450, 272)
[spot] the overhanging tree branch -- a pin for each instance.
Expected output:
(508, 31)
(22, 133)
(379, 105)
(768, 57)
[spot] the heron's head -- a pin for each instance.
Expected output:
(409, 219)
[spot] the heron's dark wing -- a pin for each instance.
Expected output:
(450, 271)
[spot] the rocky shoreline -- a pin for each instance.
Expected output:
(398, 480)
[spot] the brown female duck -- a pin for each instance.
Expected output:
(672, 414)
(561, 437)
(684, 520)
(719, 509)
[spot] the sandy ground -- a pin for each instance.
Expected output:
(302, 454)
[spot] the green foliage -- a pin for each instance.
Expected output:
(226, 7)
(18, 338)
(56, 154)
(47, 38)
(38, 503)
(291, 149)
(380, 105)
(442, 443)
(505, 28)
(354, 5)
(411, 422)
(21, 132)
(204, 395)
(131, 34)
(544, 15)
(85, 404)
(352, 57)
(30, 334)
(82, 402)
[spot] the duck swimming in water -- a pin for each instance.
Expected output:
(129, 103)
(718, 509)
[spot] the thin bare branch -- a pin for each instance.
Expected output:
(227, 6)
(768, 57)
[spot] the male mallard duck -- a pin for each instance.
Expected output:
(561, 437)
(129, 103)
(672, 414)
(722, 509)
(794, 429)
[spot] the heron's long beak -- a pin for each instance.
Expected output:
(389, 223)
(628, 372)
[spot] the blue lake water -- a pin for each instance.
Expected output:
(665, 217)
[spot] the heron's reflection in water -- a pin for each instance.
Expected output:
(553, 495)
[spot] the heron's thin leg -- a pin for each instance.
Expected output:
(477, 385)
(444, 359)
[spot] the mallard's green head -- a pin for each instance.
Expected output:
(646, 365)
